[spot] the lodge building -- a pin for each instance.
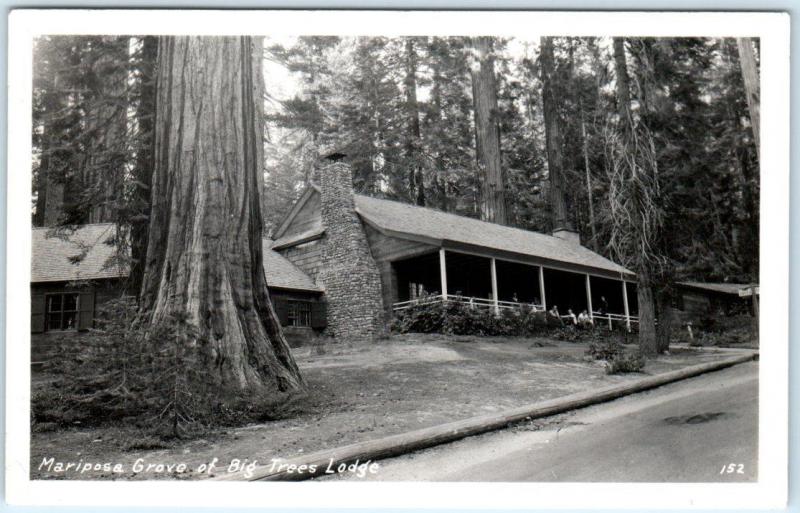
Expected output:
(342, 263)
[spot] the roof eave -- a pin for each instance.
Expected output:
(489, 252)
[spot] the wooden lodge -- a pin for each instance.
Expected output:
(343, 263)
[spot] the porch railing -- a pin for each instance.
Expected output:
(477, 302)
(481, 302)
(606, 317)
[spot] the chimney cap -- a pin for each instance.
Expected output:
(568, 234)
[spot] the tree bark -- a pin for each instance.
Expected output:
(440, 176)
(204, 256)
(143, 168)
(416, 180)
(553, 139)
(47, 208)
(487, 133)
(623, 83)
(648, 342)
(589, 193)
(747, 61)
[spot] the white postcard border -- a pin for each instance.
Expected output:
(769, 492)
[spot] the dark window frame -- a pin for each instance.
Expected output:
(50, 315)
(298, 313)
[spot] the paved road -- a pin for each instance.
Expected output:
(684, 432)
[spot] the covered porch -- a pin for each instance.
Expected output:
(498, 283)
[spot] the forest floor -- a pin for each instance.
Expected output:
(360, 392)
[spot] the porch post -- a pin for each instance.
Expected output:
(541, 288)
(494, 287)
(589, 296)
(625, 304)
(443, 273)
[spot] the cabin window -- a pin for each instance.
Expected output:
(62, 311)
(299, 313)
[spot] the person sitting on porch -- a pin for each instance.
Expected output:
(584, 320)
(554, 317)
(571, 316)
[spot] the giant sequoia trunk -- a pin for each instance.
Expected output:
(747, 60)
(552, 125)
(204, 256)
(648, 342)
(487, 133)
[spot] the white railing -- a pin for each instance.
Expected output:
(475, 302)
(606, 317)
(482, 302)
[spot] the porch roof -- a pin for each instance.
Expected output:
(720, 288)
(443, 229)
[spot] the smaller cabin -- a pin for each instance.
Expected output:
(74, 272)
(700, 299)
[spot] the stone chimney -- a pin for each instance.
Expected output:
(348, 272)
(571, 236)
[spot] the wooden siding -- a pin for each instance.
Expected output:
(306, 256)
(91, 296)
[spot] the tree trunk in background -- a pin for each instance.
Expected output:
(53, 103)
(416, 182)
(589, 195)
(204, 257)
(107, 126)
(666, 318)
(648, 343)
(143, 168)
(552, 124)
(623, 83)
(747, 61)
(487, 133)
(440, 178)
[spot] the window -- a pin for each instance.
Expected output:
(299, 313)
(62, 311)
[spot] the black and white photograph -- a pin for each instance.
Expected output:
(431, 248)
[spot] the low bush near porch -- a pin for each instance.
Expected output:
(451, 318)
(456, 318)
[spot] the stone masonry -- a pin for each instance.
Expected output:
(348, 272)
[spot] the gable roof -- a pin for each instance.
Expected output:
(441, 228)
(283, 274)
(296, 208)
(52, 259)
(720, 288)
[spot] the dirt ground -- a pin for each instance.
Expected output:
(364, 392)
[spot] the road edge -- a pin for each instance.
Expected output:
(411, 441)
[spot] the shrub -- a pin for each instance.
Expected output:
(605, 349)
(153, 376)
(452, 318)
(625, 362)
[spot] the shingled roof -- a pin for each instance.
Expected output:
(283, 274)
(84, 254)
(437, 227)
